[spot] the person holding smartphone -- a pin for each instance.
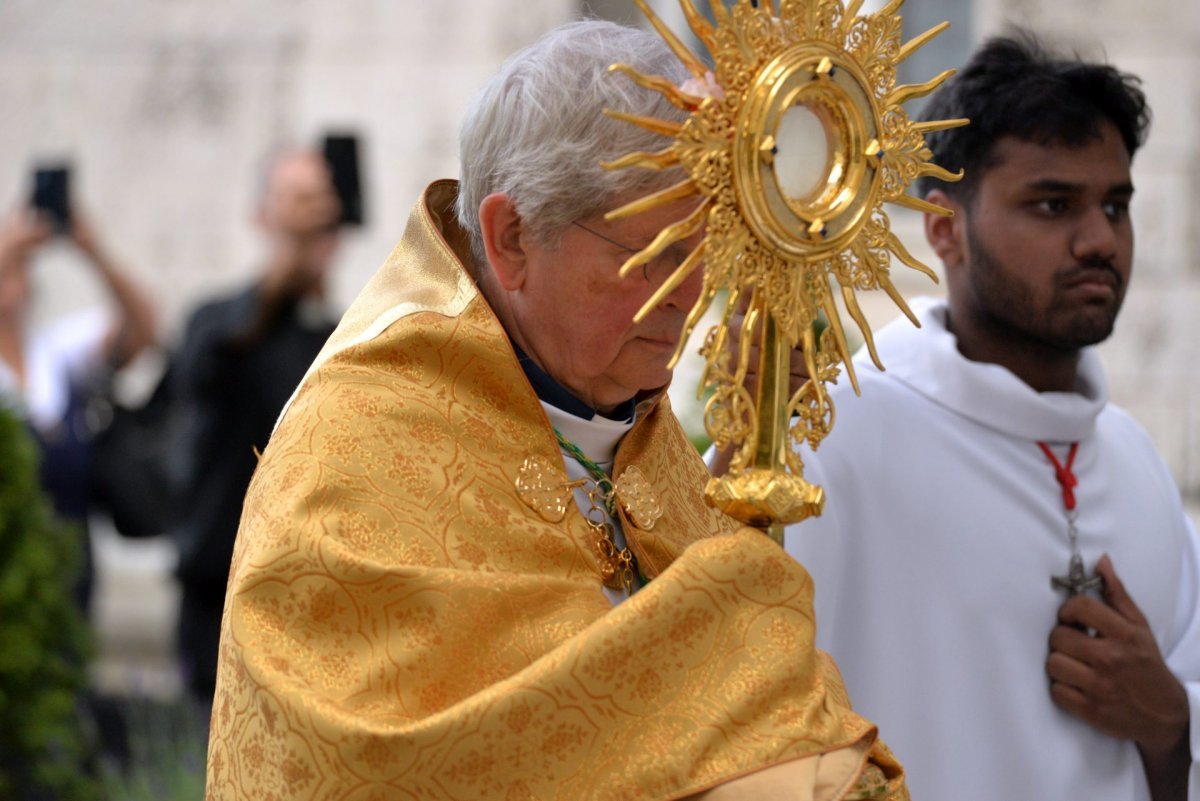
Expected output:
(49, 374)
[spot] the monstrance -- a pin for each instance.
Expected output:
(791, 161)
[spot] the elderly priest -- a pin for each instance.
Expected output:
(475, 560)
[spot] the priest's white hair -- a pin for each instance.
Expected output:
(537, 130)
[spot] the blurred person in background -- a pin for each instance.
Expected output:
(51, 374)
(241, 357)
(59, 379)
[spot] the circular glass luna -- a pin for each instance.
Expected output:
(805, 152)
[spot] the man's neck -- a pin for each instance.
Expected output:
(1043, 368)
(558, 396)
(284, 279)
(547, 387)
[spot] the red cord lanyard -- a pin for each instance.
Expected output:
(1077, 580)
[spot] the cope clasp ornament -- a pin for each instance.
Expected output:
(541, 487)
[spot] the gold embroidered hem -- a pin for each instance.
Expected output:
(400, 624)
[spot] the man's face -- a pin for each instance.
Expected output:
(299, 215)
(300, 200)
(575, 313)
(1049, 244)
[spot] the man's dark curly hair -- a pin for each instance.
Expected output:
(1012, 87)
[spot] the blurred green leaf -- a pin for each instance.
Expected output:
(44, 640)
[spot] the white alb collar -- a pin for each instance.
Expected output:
(597, 438)
(928, 361)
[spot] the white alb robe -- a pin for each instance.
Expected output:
(932, 561)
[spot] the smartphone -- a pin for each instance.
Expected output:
(51, 195)
(341, 153)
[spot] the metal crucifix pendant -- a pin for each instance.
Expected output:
(1077, 581)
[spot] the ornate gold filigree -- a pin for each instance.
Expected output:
(638, 498)
(784, 246)
(542, 487)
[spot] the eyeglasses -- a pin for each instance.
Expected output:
(661, 265)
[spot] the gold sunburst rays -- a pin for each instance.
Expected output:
(798, 248)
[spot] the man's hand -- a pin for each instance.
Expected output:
(84, 235)
(21, 232)
(797, 371)
(1116, 680)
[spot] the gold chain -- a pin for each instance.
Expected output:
(617, 566)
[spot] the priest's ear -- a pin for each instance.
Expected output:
(947, 235)
(503, 242)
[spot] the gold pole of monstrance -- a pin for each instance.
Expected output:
(791, 155)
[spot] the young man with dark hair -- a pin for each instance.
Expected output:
(1004, 570)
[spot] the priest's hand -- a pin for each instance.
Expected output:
(797, 367)
(1116, 680)
(797, 371)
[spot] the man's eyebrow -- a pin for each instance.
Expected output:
(1055, 185)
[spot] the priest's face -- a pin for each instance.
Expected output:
(575, 313)
(1048, 243)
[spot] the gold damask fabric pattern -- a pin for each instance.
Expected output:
(399, 625)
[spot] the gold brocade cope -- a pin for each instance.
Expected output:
(400, 624)
(792, 144)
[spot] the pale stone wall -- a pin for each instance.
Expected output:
(168, 109)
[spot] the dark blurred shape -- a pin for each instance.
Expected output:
(51, 195)
(133, 457)
(242, 355)
(341, 153)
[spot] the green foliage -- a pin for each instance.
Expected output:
(44, 640)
